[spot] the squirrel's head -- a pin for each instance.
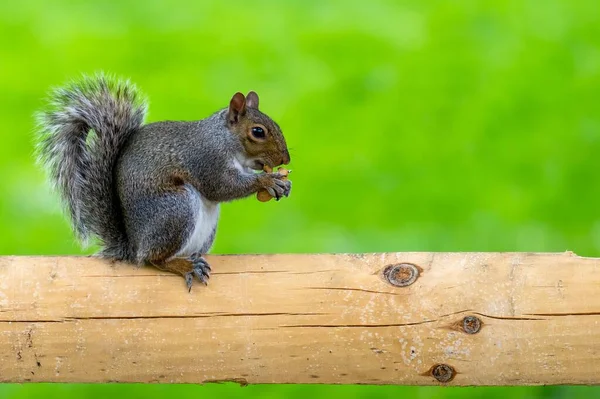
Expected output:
(261, 137)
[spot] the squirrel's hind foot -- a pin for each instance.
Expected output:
(193, 266)
(200, 268)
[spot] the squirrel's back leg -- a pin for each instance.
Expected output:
(163, 227)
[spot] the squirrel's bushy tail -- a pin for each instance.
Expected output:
(80, 137)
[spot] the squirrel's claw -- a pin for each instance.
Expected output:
(200, 269)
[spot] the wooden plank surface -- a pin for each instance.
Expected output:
(305, 319)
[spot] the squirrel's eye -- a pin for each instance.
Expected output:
(258, 132)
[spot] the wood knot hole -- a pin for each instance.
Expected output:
(443, 372)
(471, 324)
(401, 274)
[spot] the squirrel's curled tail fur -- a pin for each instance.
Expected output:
(80, 137)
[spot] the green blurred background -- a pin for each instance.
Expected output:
(413, 126)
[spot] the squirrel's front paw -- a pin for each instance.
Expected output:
(276, 185)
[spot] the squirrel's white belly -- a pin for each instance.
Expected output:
(207, 216)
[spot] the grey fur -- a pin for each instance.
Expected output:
(132, 185)
(80, 162)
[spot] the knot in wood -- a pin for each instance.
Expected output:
(401, 274)
(443, 372)
(471, 325)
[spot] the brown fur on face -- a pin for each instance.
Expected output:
(243, 117)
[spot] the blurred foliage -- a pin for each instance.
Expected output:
(413, 126)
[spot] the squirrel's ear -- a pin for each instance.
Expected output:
(252, 100)
(237, 107)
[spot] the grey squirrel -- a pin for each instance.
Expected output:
(151, 192)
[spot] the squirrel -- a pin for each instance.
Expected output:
(151, 192)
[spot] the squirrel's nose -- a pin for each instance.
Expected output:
(286, 157)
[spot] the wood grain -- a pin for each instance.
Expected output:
(304, 319)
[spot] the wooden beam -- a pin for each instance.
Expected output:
(467, 319)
